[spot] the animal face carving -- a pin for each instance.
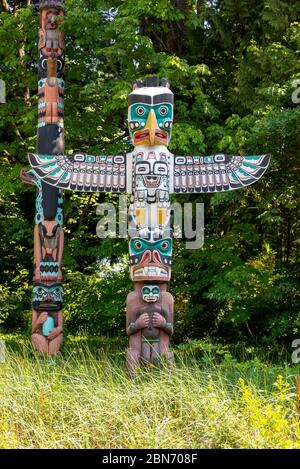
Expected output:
(47, 297)
(151, 175)
(52, 19)
(150, 260)
(150, 115)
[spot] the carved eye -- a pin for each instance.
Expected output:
(163, 111)
(140, 111)
(138, 245)
(142, 168)
(165, 245)
(160, 168)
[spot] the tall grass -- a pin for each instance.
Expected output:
(86, 401)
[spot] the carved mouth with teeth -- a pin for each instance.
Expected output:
(150, 272)
(151, 181)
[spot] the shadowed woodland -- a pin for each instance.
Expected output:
(232, 67)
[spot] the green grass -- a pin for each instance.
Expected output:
(86, 401)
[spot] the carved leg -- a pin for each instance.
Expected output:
(132, 361)
(155, 352)
(146, 353)
(170, 358)
(55, 344)
(164, 344)
(40, 343)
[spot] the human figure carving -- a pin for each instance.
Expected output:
(47, 342)
(48, 251)
(51, 38)
(149, 325)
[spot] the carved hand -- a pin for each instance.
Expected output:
(159, 320)
(143, 321)
(42, 318)
(54, 333)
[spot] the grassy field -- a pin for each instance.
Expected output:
(86, 401)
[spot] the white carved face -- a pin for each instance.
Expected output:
(151, 171)
(151, 293)
(150, 115)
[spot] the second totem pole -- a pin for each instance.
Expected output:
(47, 320)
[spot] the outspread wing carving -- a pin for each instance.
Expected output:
(82, 172)
(217, 173)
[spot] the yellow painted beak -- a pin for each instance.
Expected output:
(151, 124)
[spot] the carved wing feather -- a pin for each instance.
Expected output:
(217, 173)
(81, 172)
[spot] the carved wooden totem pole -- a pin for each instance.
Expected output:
(150, 173)
(48, 231)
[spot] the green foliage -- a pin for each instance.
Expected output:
(232, 66)
(90, 304)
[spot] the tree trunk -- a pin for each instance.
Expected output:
(171, 40)
(9, 7)
(5, 6)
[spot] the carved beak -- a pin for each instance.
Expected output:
(151, 125)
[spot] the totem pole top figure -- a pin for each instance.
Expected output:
(150, 119)
(150, 112)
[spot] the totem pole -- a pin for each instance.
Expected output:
(150, 173)
(47, 318)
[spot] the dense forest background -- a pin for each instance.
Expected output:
(232, 66)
